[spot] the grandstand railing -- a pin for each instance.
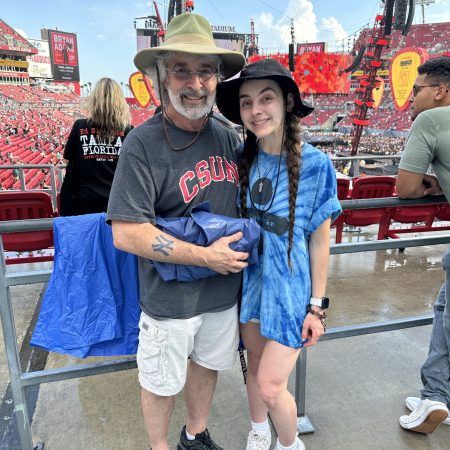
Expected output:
(21, 380)
(55, 172)
(356, 160)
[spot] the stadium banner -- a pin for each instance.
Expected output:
(317, 73)
(403, 74)
(142, 89)
(377, 92)
(40, 64)
(312, 47)
(224, 36)
(13, 63)
(64, 56)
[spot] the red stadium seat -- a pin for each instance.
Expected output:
(23, 206)
(343, 187)
(370, 187)
(412, 215)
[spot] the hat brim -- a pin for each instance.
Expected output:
(227, 97)
(232, 62)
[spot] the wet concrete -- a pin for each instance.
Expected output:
(355, 386)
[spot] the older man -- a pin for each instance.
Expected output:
(169, 164)
(429, 143)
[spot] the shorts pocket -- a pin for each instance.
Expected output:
(152, 352)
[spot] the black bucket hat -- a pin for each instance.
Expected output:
(227, 97)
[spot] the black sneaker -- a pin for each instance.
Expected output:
(202, 441)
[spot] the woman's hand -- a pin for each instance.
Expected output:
(312, 330)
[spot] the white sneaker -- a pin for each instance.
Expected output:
(412, 402)
(426, 417)
(300, 444)
(259, 441)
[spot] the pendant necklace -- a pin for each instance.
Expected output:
(262, 178)
(262, 211)
(261, 186)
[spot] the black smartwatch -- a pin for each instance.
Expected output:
(322, 303)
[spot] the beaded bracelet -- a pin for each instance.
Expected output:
(321, 315)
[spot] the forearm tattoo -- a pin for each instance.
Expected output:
(164, 246)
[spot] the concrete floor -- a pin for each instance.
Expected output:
(355, 386)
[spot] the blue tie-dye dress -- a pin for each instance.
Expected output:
(272, 293)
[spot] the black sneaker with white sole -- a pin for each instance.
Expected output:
(202, 441)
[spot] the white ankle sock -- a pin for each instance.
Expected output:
(291, 447)
(262, 427)
(189, 436)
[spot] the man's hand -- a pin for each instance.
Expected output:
(312, 330)
(222, 259)
(431, 184)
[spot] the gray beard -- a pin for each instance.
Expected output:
(191, 112)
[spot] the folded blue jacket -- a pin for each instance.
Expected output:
(203, 228)
(91, 305)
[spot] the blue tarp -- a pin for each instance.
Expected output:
(203, 228)
(91, 304)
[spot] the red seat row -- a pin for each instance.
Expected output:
(22, 206)
(421, 217)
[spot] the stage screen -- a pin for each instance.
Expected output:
(317, 73)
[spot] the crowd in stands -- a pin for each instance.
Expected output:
(34, 125)
(31, 136)
(36, 95)
(340, 144)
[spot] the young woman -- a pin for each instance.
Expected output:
(92, 150)
(290, 188)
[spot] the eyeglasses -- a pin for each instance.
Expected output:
(185, 75)
(417, 88)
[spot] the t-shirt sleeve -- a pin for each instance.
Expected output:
(70, 149)
(418, 152)
(133, 193)
(326, 203)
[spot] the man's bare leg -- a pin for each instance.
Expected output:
(157, 411)
(198, 394)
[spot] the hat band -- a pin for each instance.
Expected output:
(191, 38)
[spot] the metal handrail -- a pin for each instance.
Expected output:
(54, 170)
(20, 381)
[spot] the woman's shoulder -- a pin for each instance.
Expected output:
(80, 123)
(312, 154)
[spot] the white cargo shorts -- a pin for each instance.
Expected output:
(210, 340)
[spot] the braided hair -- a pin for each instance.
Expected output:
(291, 145)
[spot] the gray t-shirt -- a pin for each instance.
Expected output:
(152, 180)
(429, 143)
